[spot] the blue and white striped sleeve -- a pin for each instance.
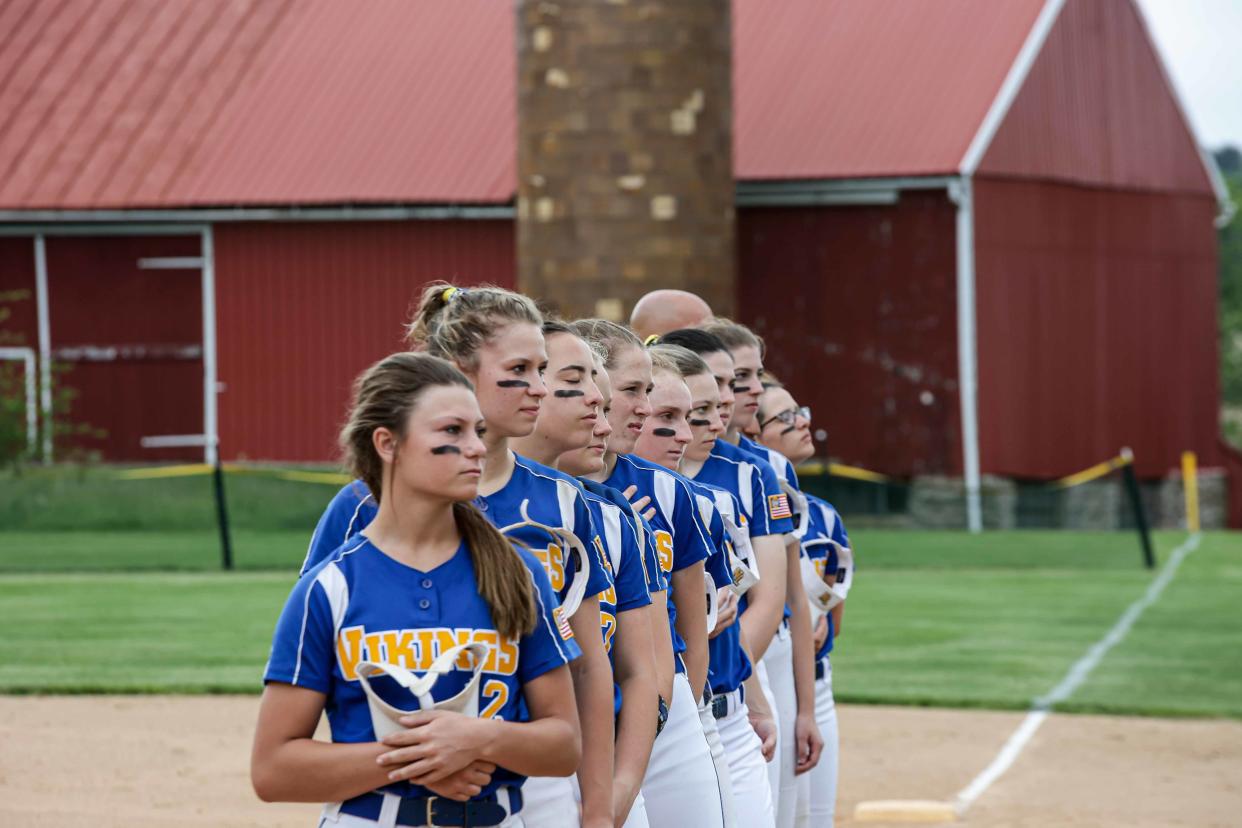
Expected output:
(691, 543)
(584, 527)
(302, 652)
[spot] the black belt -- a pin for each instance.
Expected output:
(720, 704)
(436, 810)
(819, 669)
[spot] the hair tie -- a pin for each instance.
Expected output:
(651, 340)
(449, 293)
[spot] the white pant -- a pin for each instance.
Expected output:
(680, 788)
(778, 664)
(723, 783)
(817, 788)
(752, 793)
(550, 801)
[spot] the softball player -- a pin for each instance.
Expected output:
(681, 776)
(494, 703)
(737, 725)
(772, 630)
(784, 433)
(675, 397)
(495, 337)
(571, 435)
(817, 794)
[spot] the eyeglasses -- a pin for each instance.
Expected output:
(789, 416)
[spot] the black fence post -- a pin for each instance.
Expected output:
(1136, 503)
(222, 513)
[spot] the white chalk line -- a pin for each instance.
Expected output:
(1077, 674)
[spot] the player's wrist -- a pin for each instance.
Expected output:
(486, 741)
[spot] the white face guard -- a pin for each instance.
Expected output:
(384, 716)
(822, 596)
(799, 507)
(742, 566)
(569, 544)
(743, 570)
(707, 510)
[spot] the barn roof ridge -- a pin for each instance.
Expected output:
(111, 114)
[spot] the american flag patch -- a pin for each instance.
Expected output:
(778, 506)
(562, 624)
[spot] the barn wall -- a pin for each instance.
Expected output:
(19, 326)
(302, 308)
(1096, 327)
(126, 342)
(857, 305)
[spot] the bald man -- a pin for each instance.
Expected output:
(661, 311)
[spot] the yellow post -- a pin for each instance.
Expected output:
(1190, 485)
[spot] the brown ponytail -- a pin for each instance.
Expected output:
(384, 396)
(502, 577)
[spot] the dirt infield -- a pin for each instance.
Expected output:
(159, 761)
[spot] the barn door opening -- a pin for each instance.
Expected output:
(125, 315)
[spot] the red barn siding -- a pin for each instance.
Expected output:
(19, 326)
(100, 300)
(1096, 327)
(1098, 109)
(856, 305)
(302, 308)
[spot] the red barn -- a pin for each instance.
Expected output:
(978, 236)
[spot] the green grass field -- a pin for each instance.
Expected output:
(937, 618)
(1016, 609)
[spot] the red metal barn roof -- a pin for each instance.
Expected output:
(867, 88)
(167, 103)
(174, 103)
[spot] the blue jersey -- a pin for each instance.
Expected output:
(728, 666)
(779, 462)
(561, 506)
(754, 483)
(644, 539)
(824, 523)
(359, 604)
(717, 565)
(623, 559)
(351, 510)
(555, 499)
(677, 530)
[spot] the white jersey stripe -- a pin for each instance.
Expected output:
(612, 534)
(665, 493)
(333, 601)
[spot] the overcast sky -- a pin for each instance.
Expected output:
(1201, 41)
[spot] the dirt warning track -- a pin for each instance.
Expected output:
(139, 761)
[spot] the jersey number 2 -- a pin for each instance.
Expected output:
(497, 693)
